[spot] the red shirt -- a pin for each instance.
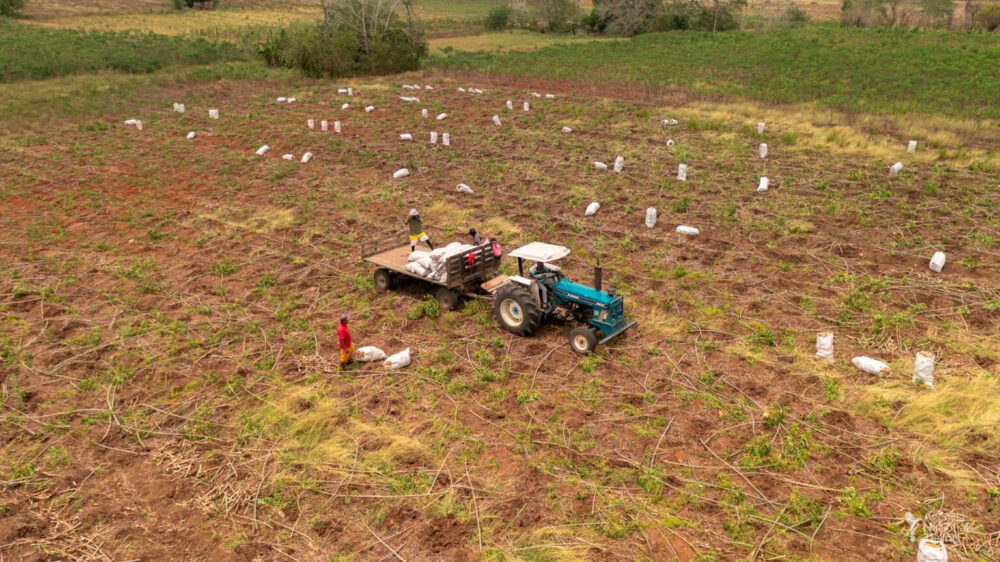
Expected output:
(345, 336)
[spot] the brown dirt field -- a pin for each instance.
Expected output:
(169, 316)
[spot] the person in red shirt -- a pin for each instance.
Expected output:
(346, 347)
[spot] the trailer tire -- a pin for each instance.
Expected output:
(384, 279)
(582, 340)
(448, 299)
(516, 311)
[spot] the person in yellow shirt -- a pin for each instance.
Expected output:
(417, 233)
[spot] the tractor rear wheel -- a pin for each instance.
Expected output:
(582, 340)
(516, 311)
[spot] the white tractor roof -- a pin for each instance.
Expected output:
(541, 252)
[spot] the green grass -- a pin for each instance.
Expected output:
(900, 72)
(31, 53)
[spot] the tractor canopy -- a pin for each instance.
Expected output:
(540, 252)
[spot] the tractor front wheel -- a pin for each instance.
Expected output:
(582, 340)
(516, 311)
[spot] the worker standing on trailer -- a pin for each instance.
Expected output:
(477, 240)
(417, 233)
(346, 347)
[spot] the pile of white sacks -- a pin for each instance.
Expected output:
(431, 265)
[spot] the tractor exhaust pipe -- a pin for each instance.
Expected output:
(598, 274)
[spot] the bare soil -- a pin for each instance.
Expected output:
(169, 315)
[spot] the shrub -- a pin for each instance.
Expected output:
(499, 18)
(988, 17)
(11, 8)
(717, 15)
(335, 49)
(595, 21)
(795, 15)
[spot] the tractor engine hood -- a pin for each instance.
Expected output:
(577, 291)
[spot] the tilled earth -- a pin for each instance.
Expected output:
(168, 328)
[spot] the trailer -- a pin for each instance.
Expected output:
(467, 271)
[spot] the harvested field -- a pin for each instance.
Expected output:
(168, 313)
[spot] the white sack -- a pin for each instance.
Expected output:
(550, 96)
(911, 146)
(336, 126)
(762, 150)
(417, 255)
(937, 262)
(619, 164)
(416, 268)
(446, 139)
(324, 125)
(370, 109)
(213, 113)
(434, 137)
(406, 137)
(896, 168)
(462, 188)
(442, 116)
(567, 130)
(760, 128)
(763, 184)
(496, 120)
(263, 150)
(191, 135)
(510, 105)
(871, 366)
(929, 550)
(345, 107)
(307, 157)
(923, 368)
(824, 345)
(311, 123)
(600, 166)
(682, 172)
(650, 217)
(369, 353)
(527, 107)
(288, 157)
(424, 113)
(592, 209)
(670, 142)
(401, 173)
(687, 230)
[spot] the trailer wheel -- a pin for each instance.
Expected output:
(384, 279)
(516, 311)
(582, 340)
(448, 299)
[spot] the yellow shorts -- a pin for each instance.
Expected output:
(345, 355)
(418, 238)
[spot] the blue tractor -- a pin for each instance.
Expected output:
(523, 302)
